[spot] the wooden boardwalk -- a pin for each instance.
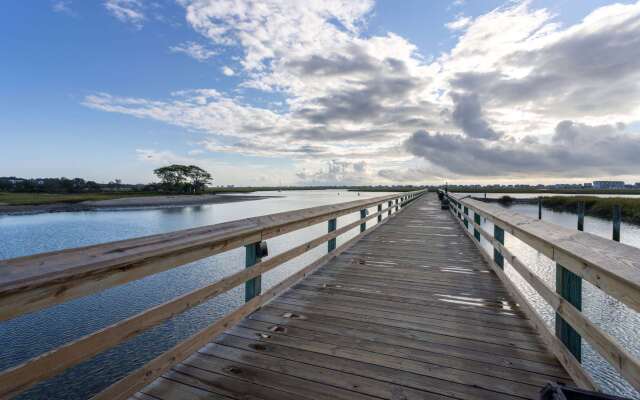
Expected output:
(411, 311)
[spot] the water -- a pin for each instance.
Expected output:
(33, 334)
(606, 312)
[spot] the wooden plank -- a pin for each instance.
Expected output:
(146, 374)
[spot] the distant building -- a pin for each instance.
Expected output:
(587, 185)
(608, 184)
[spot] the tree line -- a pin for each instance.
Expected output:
(174, 178)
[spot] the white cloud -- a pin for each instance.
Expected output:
(459, 23)
(193, 50)
(512, 77)
(63, 7)
(127, 11)
(228, 71)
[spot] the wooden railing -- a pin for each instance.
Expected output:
(32, 283)
(611, 266)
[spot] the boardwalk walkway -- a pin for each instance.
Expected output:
(411, 311)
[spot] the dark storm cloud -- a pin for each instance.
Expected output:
(575, 150)
(467, 115)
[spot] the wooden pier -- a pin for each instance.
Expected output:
(412, 308)
(397, 316)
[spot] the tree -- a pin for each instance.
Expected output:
(183, 178)
(199, 178)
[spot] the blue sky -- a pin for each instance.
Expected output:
(112, 89)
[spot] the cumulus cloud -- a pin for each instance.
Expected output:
(193, 50)
(575, 150)
(518, 94)
(127, 11)
(336, 172)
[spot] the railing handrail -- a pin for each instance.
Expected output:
(607, 264)
(612, 266)
(66, 274)
(135, 258)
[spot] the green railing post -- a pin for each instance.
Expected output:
(617, 217)
(332, 226)
(498, 234)
(476, 232)
(363, 214)
(253, 287)
(569, 287)
(581, 216)
(390, 207)
(539, 207)
(379, 212)
(466, 221)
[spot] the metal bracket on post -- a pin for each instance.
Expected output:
(331, 244)
(254, 253)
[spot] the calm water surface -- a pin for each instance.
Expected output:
(36, 333)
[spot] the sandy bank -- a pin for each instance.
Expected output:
(127, 203)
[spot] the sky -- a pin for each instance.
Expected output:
(317, 92)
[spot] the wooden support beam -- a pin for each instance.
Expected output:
(363, 215)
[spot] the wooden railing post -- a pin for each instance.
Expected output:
(363, 214)
(466, 221)
(396, 205)
(253, 287)
(581, 216)
(539, 207)
(569, 287)
(617, 217)
(332, 226)
(390, 207)
(476, 232)
(498, 234)
(379, 212)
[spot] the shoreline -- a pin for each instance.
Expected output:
(128, 203)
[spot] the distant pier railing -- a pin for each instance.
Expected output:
(610, 266)
(33, 283)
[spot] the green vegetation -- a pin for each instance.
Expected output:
(183, 178)
(22, 198)
(541, 191)
(596, 206)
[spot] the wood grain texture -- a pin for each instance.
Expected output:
(410, 311)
